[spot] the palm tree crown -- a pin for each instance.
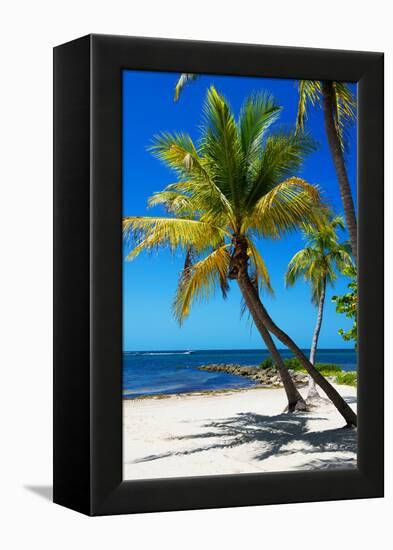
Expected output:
(310, 93)
(321, 258)
(339, 111)
(317, 263)
(343, 106)
(236, 183)
(339, 106)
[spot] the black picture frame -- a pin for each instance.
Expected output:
(88, 274)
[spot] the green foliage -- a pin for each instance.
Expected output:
(327, 369)
(347, 378)
(321, 259)
(238, 179)
(292, 363)
(267, 363)
(347, 304)
(344, 106)
(310, 94)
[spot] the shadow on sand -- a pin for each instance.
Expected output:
(274, 434)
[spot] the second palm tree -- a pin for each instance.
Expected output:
(318, 263)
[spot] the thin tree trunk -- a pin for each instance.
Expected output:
(295, 400)
(339, 164)
(239, 262)
(312, 387)
(345, 410)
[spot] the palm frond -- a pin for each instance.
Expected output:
(282, 156)
(150, 233)
(337, 222)
(317, 288)
(184, 79)
(200, 281)
(319, 261)
(174, 201)
(344, 111)
(309, 93)
(178, 152)
(221, 146)
(299, 265)
(257, 114)
(285, 208)
(341, 256)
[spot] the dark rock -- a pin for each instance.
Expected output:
(266, 377)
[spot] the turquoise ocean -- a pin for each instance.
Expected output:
(168, 372)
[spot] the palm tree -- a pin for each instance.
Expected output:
(235, 185)
(339, 110)
(318, 264)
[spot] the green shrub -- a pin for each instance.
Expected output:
(347, 378)
(292, 363)
(267, 363)
(327, 369)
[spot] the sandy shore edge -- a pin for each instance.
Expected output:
(232, 431)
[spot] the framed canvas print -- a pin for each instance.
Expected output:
(218, 275)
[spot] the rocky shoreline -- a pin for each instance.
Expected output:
(269, 378)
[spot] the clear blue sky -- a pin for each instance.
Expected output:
(149, 282)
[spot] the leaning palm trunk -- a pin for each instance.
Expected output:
(341, 405)
(339, 164)
(312, 393)
(295, 400)
(239, 271)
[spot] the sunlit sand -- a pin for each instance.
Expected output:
(233, 433)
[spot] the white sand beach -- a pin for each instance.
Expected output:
(232, 433)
